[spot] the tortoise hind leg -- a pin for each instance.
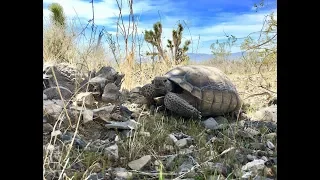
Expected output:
(179, 106)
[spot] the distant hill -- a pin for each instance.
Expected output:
(202, 56)
(195, 57)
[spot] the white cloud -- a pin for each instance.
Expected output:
(103, 11)
(210, 30)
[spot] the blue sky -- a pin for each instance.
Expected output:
(210, 19)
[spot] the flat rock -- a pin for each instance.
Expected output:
(187, 164)
(45, 96)
(270, 145)
(111, 93)
(267, 114)
(51, 108)
(131, 124)
(53, 93)
(247, 175)
(121, 174)
(87, 115)
(47, 128)
(182, 143)
(85, 97)
(112, 151)
(210, 123)
(98, 80)
(103, 113)
(139, 163)
(172, 137)
(254, 165)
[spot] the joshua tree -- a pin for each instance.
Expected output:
(57, 16)
(179, 53)
(154, 38)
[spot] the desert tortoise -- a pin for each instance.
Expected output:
(195, 91)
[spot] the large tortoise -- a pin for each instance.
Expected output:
(194, 91)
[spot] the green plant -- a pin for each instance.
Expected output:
(57, 16)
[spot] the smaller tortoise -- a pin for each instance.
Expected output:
(194, 91)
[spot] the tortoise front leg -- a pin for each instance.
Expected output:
(181, 107)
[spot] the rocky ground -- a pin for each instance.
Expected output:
(92, 130)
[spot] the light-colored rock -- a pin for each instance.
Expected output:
(186, 166)
(182, 143)
(247, 175)
(210, 123)
(264, 158)
(56, 133)
(103, 113)
(85, 97)
(122, 174)
(173, 138)
(270, 145)
(131, 124)
(254, 165)
(87, 115)
(112, 151)
(106, 109)
(98, 80)
(139, 163)
(45, 97)
(266, 114)
(51, 108)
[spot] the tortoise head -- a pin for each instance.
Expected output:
(159, 86)
(162, 85)
(148, 91)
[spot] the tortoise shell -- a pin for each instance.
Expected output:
(213, 92)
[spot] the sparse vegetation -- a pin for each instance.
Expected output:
(254, 76)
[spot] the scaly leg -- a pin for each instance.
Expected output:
(181, 107)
